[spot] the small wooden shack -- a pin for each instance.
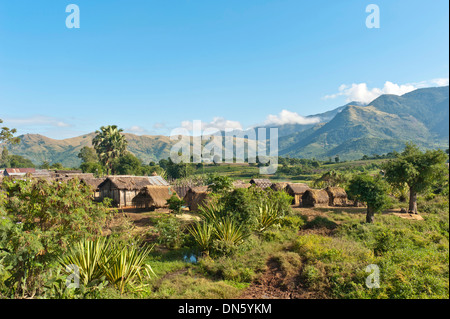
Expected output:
(337, 196)
(196, 196)
(123, 189)
(296, 190)
(261, 182)
(151, 197)
(315, 198)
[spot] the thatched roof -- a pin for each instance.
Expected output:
(196, 196)
(92, 182)
(133, 182)
(198, 189)
(337, 195)
(336, 192)
(156, 196)
(261, 182)
(241, 184)
(296, 188)
(315, 197)
(279, 186)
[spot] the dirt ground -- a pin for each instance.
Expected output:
(273, 285)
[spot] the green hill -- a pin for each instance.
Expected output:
(385, 125)
(39, 148)
(350, 131)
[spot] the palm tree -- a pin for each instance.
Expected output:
(109, 144)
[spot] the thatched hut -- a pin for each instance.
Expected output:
(296, 190)
(315, 198)
(196, 196)
(122, 189)
(93, 184)
(279, 186)
(261, 182)
(152, 196)
(337, 196)
(241, 184)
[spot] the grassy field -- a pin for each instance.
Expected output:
(319, 253)
(246, 171)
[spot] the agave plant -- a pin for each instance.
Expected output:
(227, 230)
(90, 257)
(268, 216)
(122, 265)
(203, 234)
(210, 211)
(126, 265)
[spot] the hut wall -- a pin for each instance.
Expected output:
(337, 196)
(298, 199)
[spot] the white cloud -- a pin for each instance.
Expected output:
(135, 129)
(159, 125)
(219, 123)
(361, 93)
(37, 120)
(288, 117)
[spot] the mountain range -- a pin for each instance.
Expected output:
(350, 131)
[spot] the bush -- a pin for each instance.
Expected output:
(171, 232)
(39, 221)
(175, 204)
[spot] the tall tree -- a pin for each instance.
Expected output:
(370, 190)
(88, 154)
(416, 169)
(7, 135)
(109, 144)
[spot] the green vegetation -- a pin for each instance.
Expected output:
(109, 145)
(372, 191)
(417, 170)
(239, 237)
(39, 222)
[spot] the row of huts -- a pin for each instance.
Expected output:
(150, 192)
(304, 196)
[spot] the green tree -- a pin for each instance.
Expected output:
(19, 161)
(7, 135)
(127, 164)
(416, 169)
(93, 167)
(218, 184)
(57, 166)
(88, 154)
(45, 165)
(109, 144)
(370, 190)
(175, 170)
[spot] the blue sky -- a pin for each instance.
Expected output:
(150, 66)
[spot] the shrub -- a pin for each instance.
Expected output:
(175, 204)
(40, 220)
(171, 232)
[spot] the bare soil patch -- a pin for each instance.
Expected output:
(274, 284)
